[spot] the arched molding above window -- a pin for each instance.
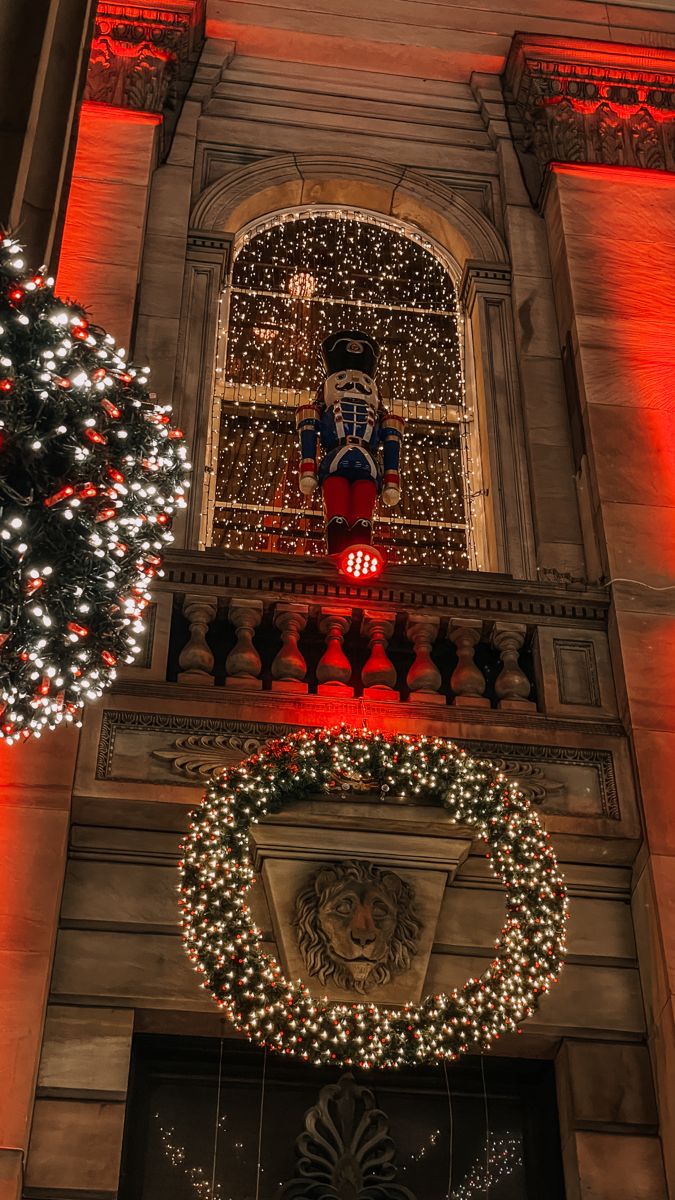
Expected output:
(282, 182)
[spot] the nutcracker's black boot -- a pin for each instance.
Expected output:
(337, 531)
(361, 533)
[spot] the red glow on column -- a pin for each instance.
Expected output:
(117, 115)
(103, 232)
(618, 227)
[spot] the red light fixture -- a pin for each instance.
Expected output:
(361, 562)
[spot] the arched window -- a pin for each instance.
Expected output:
(295, 278)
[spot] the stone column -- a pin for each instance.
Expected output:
(608, 1122)
(334, 670)
(36, 783)
(196, 659)
(289, 668)
(485, 295)
(205, 271)
(611, 233)
(42, 67)
(137, 55)
(467, 681)
(81, 1100)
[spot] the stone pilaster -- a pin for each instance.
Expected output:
(140, 66)
(42, 63)
(35, 790)
(556, 500)
(608, 1122)
(611, 236)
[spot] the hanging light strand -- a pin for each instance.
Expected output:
(294, 280)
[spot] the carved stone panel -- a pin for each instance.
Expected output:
(356, 925)
(574, 674)
(154, 642)
(577, 672)
(316, 938)
(156, 748)
(569, 780)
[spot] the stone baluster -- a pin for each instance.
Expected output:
(196, 658)
(289, 668)
(333, 670)
(512, 685)
(424, 677)
(243, 664)
(467, 681)
(379, 673)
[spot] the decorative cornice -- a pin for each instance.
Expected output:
(492, 279)
(590, 102)
(212, 250)
(143, 56)
(277, 577)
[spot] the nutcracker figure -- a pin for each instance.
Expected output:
(360, 444)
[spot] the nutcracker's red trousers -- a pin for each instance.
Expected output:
(352, 499)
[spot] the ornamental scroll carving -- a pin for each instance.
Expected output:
(345, 1151)
(189, 750)
(356, 925)
(199, 757)
(590, 102)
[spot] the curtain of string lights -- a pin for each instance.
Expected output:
(295, 279)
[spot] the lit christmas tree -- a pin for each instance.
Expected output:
(91, 473)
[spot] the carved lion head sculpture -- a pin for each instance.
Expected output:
(356, 925)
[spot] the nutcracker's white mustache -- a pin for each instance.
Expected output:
(354, 386)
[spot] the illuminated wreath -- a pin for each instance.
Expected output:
(91, 475)
(224, 944)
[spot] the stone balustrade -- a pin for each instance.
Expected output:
(251, 623)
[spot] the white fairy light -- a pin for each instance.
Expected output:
(294, 280)
(80, 567)
(224, 943)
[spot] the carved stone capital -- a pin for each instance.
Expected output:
(590, 102)
(143, 57)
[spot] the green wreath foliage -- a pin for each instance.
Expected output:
(224, 944)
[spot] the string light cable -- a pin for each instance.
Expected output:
(224, 943)
(668, 587)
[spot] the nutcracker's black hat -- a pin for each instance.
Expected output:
(349, 350)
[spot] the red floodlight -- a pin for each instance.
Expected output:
(361, 562)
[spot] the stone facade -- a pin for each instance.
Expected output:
(543, 166)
